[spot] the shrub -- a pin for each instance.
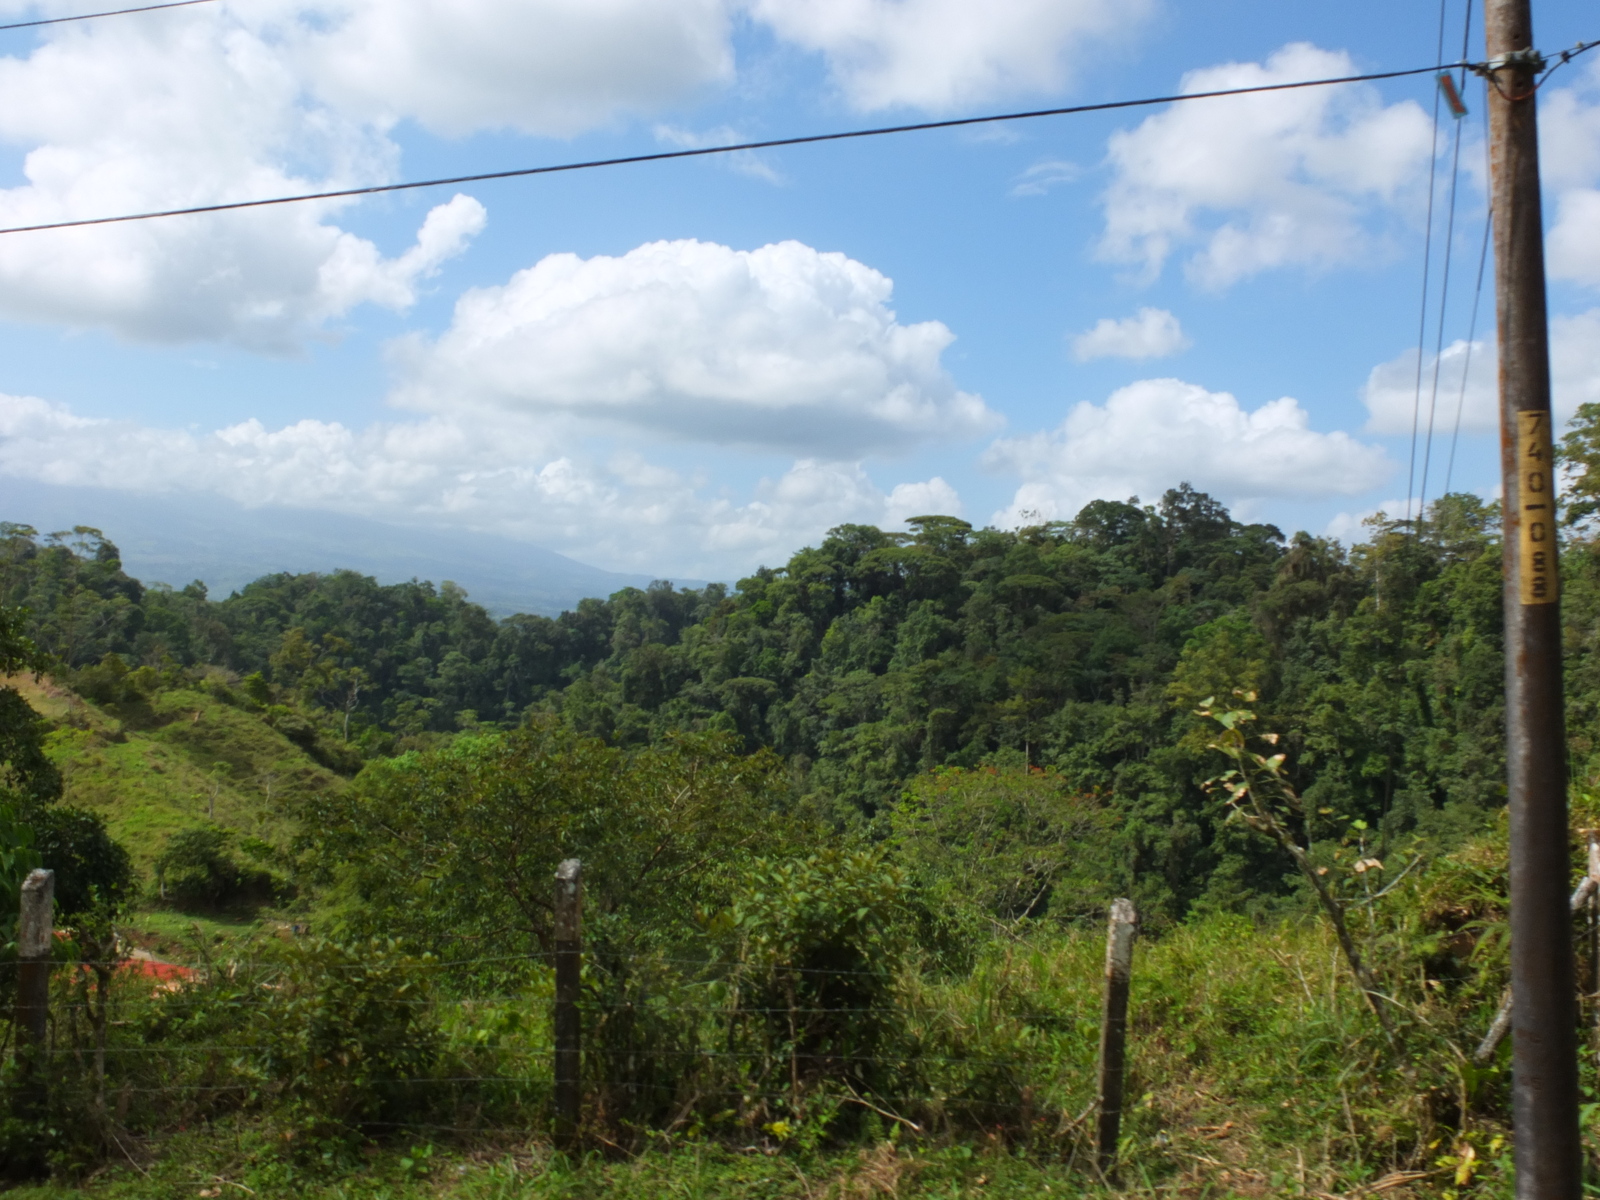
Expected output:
(93, 871)
(110, 681)
(990, 850)
(349, 1033)
(200, 870)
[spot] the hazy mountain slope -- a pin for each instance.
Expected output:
(178, 538)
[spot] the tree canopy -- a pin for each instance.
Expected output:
(1081, 647)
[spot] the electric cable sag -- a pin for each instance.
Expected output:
(116, 12)
(766, 144)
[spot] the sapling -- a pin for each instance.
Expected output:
(1259, 794)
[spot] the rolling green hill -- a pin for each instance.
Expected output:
(155, 766)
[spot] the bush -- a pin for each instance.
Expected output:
(93, 871)
(463, 842)
(111, 682)
(349, 1033)
(991, 850)
(200, 870)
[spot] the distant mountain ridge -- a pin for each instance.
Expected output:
(179, 538)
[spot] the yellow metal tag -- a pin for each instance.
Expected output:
(1536, 531)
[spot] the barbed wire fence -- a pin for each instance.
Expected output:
(601, 1048)
(571, 1052)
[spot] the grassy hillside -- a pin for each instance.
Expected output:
(157, 765)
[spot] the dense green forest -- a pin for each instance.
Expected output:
(1081, 647)
(848, 830)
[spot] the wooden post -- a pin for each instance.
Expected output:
(1544, 1020)
(568, 1025)
(34, 938)
(1114, 1030)
(1594, 942)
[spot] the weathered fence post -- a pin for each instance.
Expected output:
(34, 937)
(1114, 1030)
(1594, 942)
(568, 1026)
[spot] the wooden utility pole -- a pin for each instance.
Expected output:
(1544, 1051)
(35, 934)
(568, 1024)
(1123, 925)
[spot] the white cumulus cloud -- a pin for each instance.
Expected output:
(1150, 333)
(243, 101)
(1299, 178)
(1156, 431)
(554, 67)
(1390, 393)
(1569, 156)
(133, 116)
(931, 497)
(235, 101)
(942, 54)
(780, 347)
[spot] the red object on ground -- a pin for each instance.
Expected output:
(163, 972)
(165, 976)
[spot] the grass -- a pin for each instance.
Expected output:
(183, 758)
(174, 935)
(155, 767)
(513, 1171)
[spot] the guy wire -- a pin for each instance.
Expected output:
(1444, 292)
(1472, 325)
(1427, 263)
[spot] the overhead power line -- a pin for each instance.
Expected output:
(116, 12)
(702, 151)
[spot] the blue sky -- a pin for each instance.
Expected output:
(693, 368)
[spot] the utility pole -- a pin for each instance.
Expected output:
(1544, 1049)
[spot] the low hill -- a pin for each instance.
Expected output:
(155, 766)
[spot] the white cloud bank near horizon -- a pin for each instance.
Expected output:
(540, 409)
(1153, 434)
(617, 510)
(524, 476)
